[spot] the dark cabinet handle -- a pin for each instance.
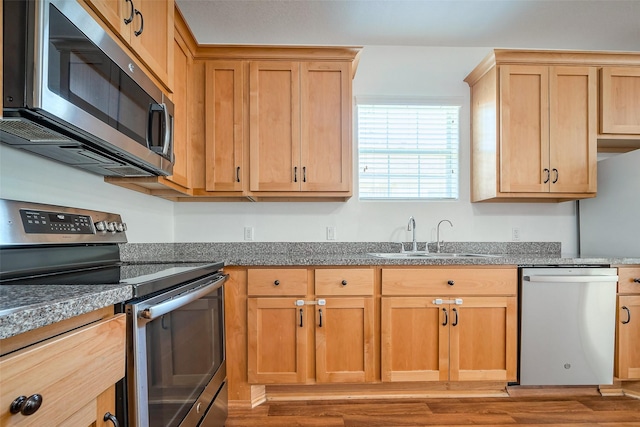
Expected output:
(130, 18)
(446, 317)
(450, 282)
(141, 29)
(110, 417)
(238, 174)
(344, 283)
(276, 283)
(624, 307)
(548, 175)
(301, 313)
(557, 175)
(320, 312)
(304, 174)
(637, 280)
(26, 405)
(455, 322)
(295, 174)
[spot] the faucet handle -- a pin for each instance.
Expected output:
(401, 247)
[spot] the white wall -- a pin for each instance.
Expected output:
(390, 71)
(24, 176)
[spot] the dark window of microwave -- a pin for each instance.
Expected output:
(81, 73)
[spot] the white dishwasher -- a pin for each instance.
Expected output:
(567, 325)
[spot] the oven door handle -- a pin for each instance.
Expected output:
(153, 312)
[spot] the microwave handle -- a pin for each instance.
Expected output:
(153, 312)
(166, 143)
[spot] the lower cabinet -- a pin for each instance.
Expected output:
(331, 323)
(72, 374)
(449, 324)
(627, 362)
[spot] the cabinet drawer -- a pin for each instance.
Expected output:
(344, 281)
(277, 281)
(68, 371)
(626, 283)
(450, 281)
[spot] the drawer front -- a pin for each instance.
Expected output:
(68, 371)
(344, 281)
(450, 281)
(277, 281)
(629, 280)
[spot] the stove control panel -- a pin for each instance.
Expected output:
(55, 222)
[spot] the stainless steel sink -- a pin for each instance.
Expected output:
(422, 255)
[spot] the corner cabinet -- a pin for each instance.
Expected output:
(300, 127)
(449, 324)
(534, 129)
(620, 102)
(74, 373)
(627, 361)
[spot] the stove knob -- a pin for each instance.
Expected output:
(124, 226)
(101, 225)
(119, 227)
(111, 227)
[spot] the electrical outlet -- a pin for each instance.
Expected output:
(331, 233)
(515, 234)
(248, 234)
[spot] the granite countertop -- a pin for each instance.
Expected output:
(26, 307)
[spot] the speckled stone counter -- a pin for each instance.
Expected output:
(27, 307)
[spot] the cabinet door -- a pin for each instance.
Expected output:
(114, 13)
(151, 36)
(573, 129)
(524, 120)
(344, 340)
(182, 66)
(277, 341)
(326, 126)
(628, 338)
(620, 100)
(415, 340)
(274, 140)
(224, 126)
(484, 339)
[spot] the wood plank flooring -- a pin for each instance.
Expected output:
(618, 411)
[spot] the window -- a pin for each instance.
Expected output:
(408, 150)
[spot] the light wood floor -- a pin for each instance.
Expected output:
(615, 411)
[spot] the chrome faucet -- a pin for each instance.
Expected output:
(438, 242)
(412, 227)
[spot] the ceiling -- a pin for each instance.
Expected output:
(536, 24)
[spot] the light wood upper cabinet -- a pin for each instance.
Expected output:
(74, 373)
(544, 146)
(627, 361)
(147, 27)
(620, 101)
(300, 126)
(225, 160)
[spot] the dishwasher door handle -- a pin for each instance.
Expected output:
(571, 279)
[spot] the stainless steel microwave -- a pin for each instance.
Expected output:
(72, 94)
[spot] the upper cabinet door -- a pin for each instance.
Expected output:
(274, 111)
(524, 121)
(224, 83)
(326, 126)
(620, 100)
(573, 129)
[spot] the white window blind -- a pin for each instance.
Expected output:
(408, 151)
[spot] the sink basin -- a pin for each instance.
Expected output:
(418, 255)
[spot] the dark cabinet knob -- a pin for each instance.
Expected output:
(450, 282)
(344, 283)
(637, 280)
(26, 405)
(276, 283)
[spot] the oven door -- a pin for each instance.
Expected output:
(176, 349)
